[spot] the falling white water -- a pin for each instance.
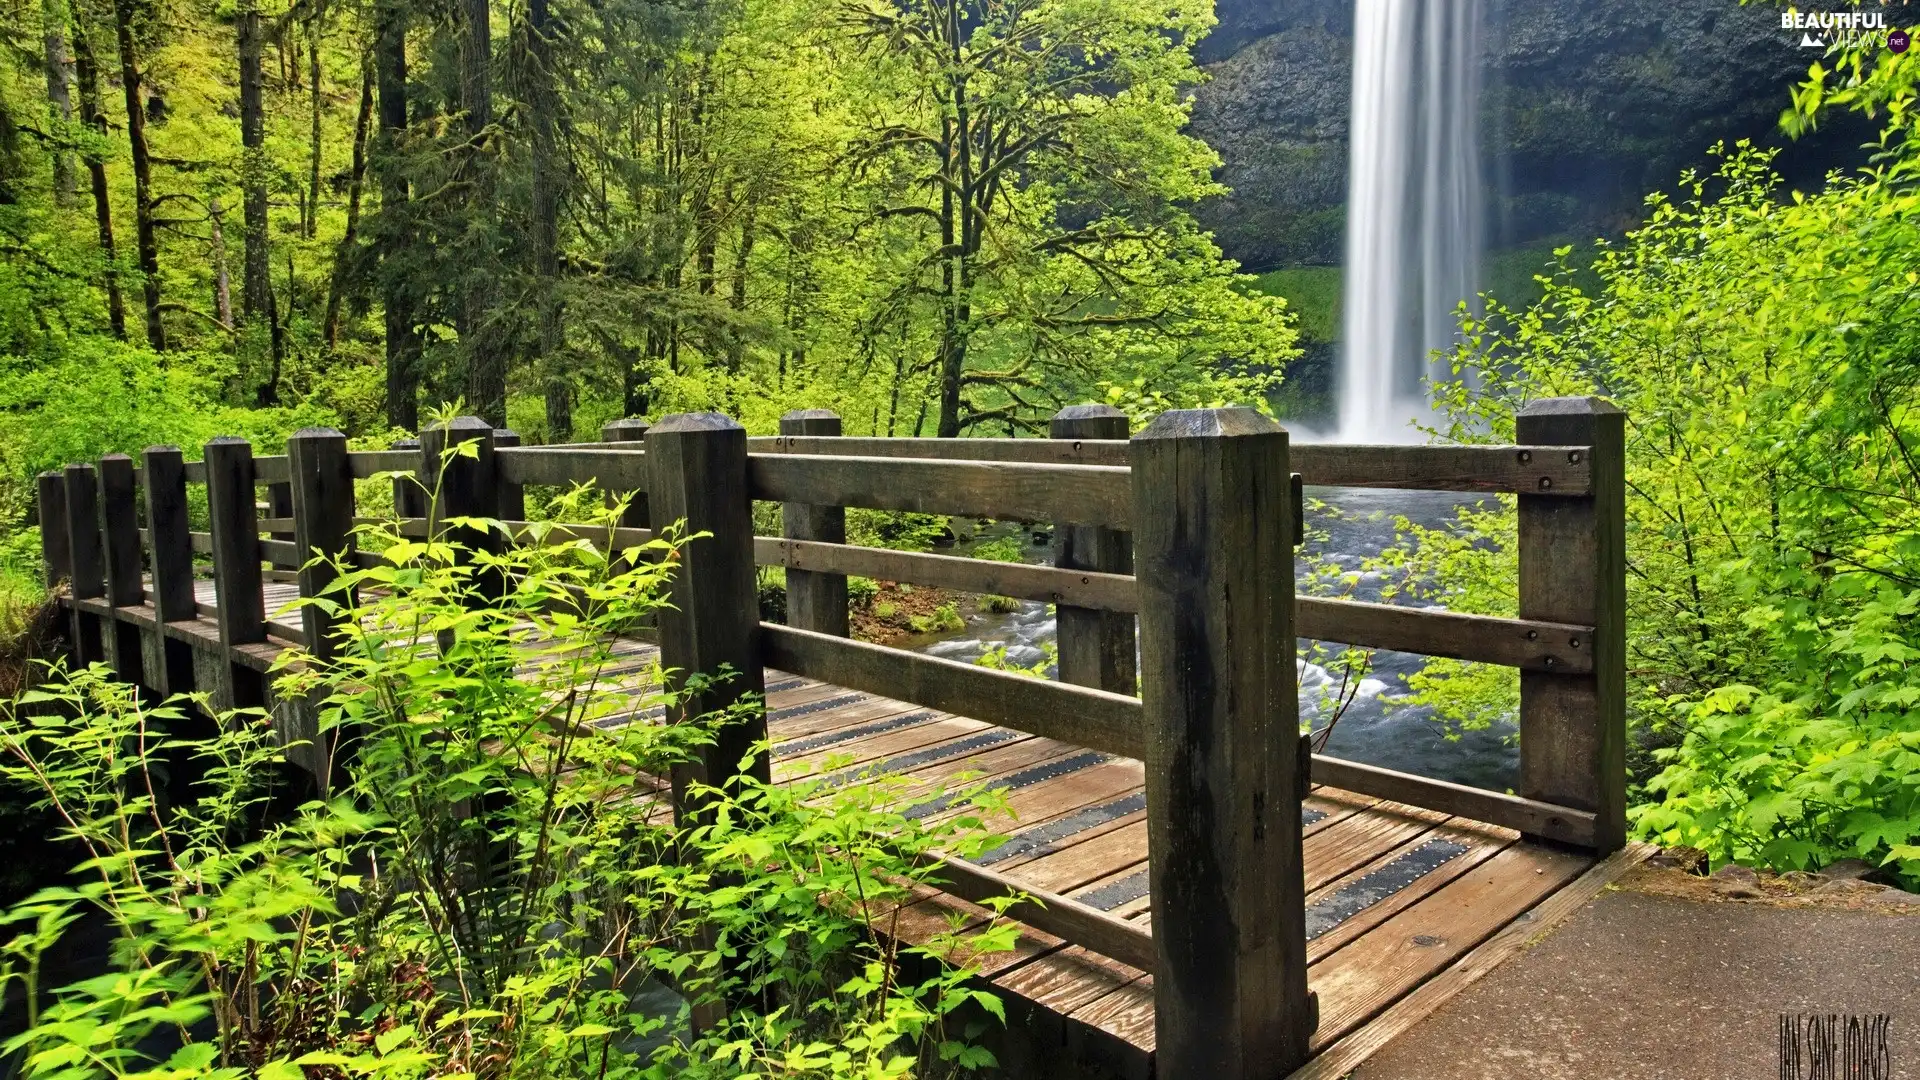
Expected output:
(1414, 198)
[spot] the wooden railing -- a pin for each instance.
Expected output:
(1186, 663)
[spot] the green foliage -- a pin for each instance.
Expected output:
(494, 890)
(1761, 346)
(1043, 668)
(861, 591)
(941, 619)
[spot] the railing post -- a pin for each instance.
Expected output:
(1096, 647)
(88, 580)
(322, 486)
(163, 475)
(56, 549)
(697, 465)
(513, 497)
(235, 529)
(632, 429)
(280, 505)
(409, 499)
(815, 601)
(464, 487)
(120, 530)
(1573, 728)
(1213, 542)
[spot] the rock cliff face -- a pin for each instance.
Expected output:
(1590, 104)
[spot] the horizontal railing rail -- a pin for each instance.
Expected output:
(1082, 494)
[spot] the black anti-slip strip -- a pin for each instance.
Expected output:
(1021, 779)
(785, 684)
(1115, 893)
(1134, 886)
(858, 731)
(822, 705)
(991, 737)
(1040, 839)
(1369, 889)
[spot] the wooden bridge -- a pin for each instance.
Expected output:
(1219, 901)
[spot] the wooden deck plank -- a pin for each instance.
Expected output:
(1357, 982)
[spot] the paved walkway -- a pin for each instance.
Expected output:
(1665, 979)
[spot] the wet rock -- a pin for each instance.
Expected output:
(1732, 882)
(1845, 889)
(1687, 860)
(1849, 869)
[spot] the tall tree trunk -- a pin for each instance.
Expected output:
(88, 70)
(742, 257)
(222, 284)
(403, 336)
(256, 292)
(312, 215)
(342, 256)
(478, 324)
(548, 181)
(60, 100)
(124, 14)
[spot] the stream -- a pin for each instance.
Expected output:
(1405, 738)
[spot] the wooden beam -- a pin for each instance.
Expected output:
(513, 495)
(1088, 589)
(464, 485)
(699, 478)
(1109, 452)
(235, 544)
(88, 579)
(1573, 726)
(1531, 645)
(163, 481)
(631, 434)
(1081, 494)
(1214, 548)
(322, 487)
(1061, 916)
(816, 599)
(565, 466)
(1071, 714)
(1097, 646)
(1530, 816)
(404, 457)
(56, 551)
(120, 535)
(409, 496)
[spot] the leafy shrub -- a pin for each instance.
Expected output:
(497, 888)
(946, 617)
(861, 591)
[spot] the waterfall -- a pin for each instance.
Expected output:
(1414, 204)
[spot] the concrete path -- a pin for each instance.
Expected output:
(1664, 978)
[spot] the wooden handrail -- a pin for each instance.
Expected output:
(1531, 816)
(1094, 719)
(1062, 916)
(1081, 494)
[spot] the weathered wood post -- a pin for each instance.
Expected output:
(1213, 542)
(280, 506)
(815, 601)
(56, 550)
(120, 531)
(409, 499)
(163, 475)
(634, 430)
(321, 479)
(513, 497)
(87, 572)
(235, 529)
(1096, 647)
(467, 487)
(697, 468)
(1573, 728)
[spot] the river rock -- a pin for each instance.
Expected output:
(1849, 869)
(1735, 882)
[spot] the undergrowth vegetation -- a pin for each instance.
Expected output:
(494, 884)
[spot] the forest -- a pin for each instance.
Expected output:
(937, 218)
